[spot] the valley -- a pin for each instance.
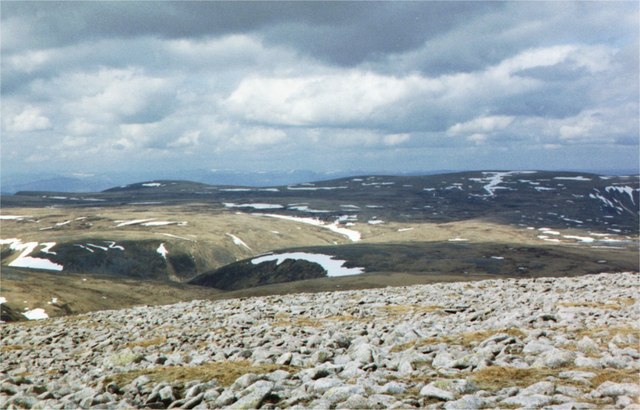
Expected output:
(159, 242)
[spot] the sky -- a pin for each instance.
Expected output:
(89, 87)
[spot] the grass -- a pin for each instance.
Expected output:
(498, 377)
(284, 319)
(604, 335)
(399, 310)
(9, 348)
(609, 305)
(467, 339)
(224, 373)
(145, 343)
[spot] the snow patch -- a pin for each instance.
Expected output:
(12, 217)
(254, 206)
(162, 223)
(319, 188)
(133, 222)
(405, 229)
(178, 237)
(26, 261)
(458, 239)
(152, 184)
(305, 208)
(375, 222)
(238, 241)
(112, 245)
(349, 233)
(162, 251)
(623, 190)
(334, 267)
(46, 247)
(36, 314)
(578, 178)
(586, 239)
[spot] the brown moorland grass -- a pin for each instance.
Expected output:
(145, 343)
(498, 377)
(466, 339)
(224, 373)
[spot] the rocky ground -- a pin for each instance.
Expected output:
(566, 343)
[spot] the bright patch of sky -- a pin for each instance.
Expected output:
(310, 85)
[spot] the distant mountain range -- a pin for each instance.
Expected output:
(86, 182)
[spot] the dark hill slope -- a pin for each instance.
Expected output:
(435, 260)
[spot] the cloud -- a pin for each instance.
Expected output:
(187, 139)
(481, 125)
(30, 119)
(396, 139)
(331, 99)
(74, 142)
(281, 85)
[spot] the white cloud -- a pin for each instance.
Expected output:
(74, 142)
(30, 119)
(187, 139)
(116, 95)
(396, 139)
(331, 99)
(481, 125)
(259, 136)
(79, 126)
(477, 138)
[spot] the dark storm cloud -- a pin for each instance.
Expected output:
(338, 32)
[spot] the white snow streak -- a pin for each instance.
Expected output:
(349, 233)
(162, 251)
(254, 206)
(239, 241)
(334, 267)
(26, 261)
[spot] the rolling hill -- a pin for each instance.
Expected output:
(380, 230)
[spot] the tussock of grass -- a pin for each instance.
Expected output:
(8, 348)
(625, 301)
(498, 377)
(145, 343)
(397, 310)
(593, 305)
(282, 319)
(466, 339)
(604, 335)
(224, 373)
(615, 375)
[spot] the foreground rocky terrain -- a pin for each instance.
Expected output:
(564, 343)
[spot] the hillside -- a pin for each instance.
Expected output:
(517, 343)
(375, 230)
